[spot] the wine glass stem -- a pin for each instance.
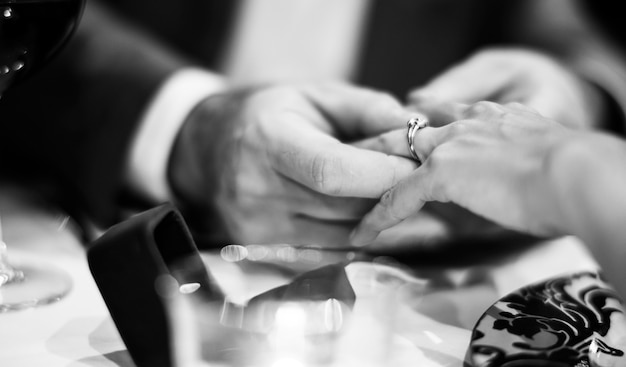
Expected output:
(8, 273)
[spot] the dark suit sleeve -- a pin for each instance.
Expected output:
(69, 126)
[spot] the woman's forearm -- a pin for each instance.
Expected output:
(588, 179)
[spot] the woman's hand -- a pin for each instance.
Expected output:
(494, 160)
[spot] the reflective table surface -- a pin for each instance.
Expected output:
(433, 328)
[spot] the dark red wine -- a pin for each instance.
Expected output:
(31, 31)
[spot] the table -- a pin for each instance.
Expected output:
(78, 332)
(75, 331)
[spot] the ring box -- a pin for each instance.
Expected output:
(126, 263)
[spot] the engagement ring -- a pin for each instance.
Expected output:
(414, 124)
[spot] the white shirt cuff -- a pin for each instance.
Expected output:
(179, 94)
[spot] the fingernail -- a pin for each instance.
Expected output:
(359, 238)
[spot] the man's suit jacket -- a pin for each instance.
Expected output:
(70, 126)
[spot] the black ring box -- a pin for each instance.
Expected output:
(126, 262)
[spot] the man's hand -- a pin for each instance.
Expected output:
(512, 75)
(273, 164)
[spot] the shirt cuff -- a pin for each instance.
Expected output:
(146, 172)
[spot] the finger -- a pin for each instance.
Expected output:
(324, 164)
(396, 142)
(397, 204)
(310, 203)
(358, 111)
(476, 79)
(492, 112)
(450, 112)
(421, 229)
(440, 112)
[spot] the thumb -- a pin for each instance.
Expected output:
(357, 111)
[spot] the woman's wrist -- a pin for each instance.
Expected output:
(583, 177)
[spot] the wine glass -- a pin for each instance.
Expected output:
(31, 32)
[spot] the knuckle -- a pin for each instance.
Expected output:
(482, 108)
(516, 106)
(388, 203)
(519, 107)
(326, 174)
(387, 199)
